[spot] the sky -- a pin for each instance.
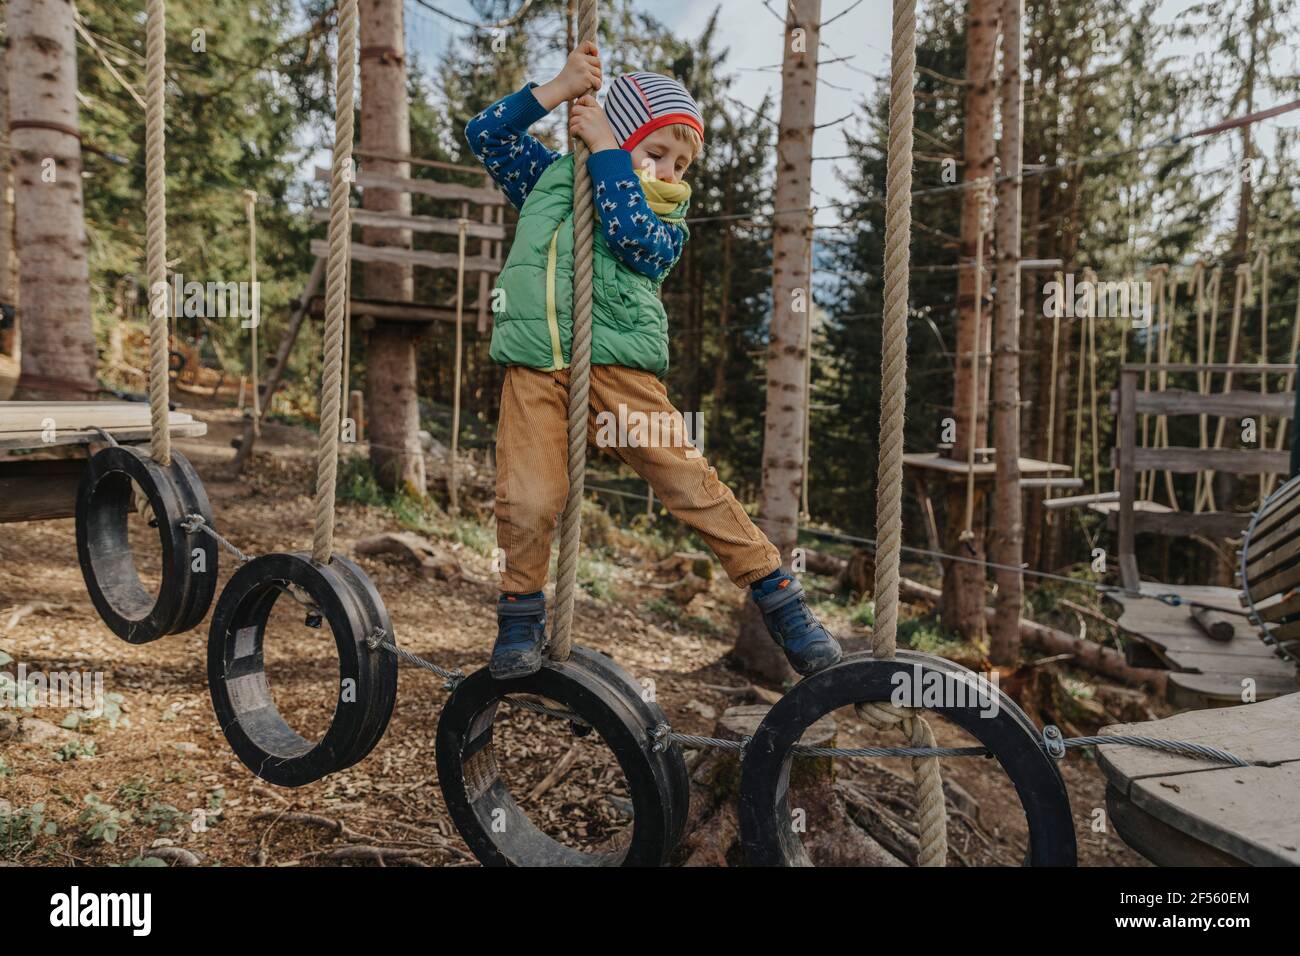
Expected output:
(752, 32)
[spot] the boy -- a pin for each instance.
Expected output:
(641, 146)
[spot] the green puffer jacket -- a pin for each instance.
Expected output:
(533, 321)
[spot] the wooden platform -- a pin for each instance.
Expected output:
(1177, 811)
(1207, 673)
(23, 425)
(984, 470)
(34, 488)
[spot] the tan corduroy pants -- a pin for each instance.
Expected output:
(632, 418)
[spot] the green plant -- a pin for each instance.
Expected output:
(864, 614)
(74, 749)
(20, 828)
(103, 822)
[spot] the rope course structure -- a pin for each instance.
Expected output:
(161, 485)
(334, 591)
(578, 685)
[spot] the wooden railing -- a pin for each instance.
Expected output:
(1130, 460)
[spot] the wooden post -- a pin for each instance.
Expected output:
(962, 607)
(783, 426)
(357, 412)
(1128, 380)
(1008, 502)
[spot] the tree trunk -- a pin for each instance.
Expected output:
(58, 355)
(791, 296)
(8, 261)
(391, 373)
(963, 586)
(1008, 519)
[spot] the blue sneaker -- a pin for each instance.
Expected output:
(808, 646)
(521, 636)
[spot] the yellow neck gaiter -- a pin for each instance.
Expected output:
(664, 197)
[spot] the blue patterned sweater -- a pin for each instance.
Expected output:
(639, 239)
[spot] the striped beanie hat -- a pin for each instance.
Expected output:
(640, 103)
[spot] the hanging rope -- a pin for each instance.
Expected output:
(1051, 388)
(452, 496)
(1156, 276)
(1166, 352)
(250, 211)
(1207, 357)
(1241, 292)
(160, 304)
(983, 196)
(336, 281)
(566, 574)
(931, 813)
(1262, 438)
(1092, 384)
(1279, 438)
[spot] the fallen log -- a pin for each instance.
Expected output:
(1083, 653)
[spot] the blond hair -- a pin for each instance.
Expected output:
(688, 134)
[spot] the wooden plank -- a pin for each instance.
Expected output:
(15, 441)
(1193, 692)
(1284, 551)
(415, 257)
(1280, 582)
(1156, 840)
(1277, 610)
(1234, 404)
(1247, 812)
(1076, 501)
(391, 157)
(18, 417)
(424, 187)
(1237, 461)
(931, 461)
(1240, 368)
(1028, 483)
(424, 224)
(1282, 510)
(1213, 524)
(1265, 731)
(37, 489)
(1262, 544)
(391, 311)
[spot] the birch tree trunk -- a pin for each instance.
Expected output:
(783, 434)
(1008, 517)
(58, 350)
(393, 411)
(962, 608)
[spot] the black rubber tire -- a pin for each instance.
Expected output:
(674, 767)
(600, 696)
(1010, 736)
(203, 585)
(104, 500)
(241, 696)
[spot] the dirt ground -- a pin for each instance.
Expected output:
(101, 794)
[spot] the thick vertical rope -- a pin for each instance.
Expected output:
(336, 282)
(160, 304)
(931, 813)
(453, 495)
(566, 574)
(250, 211)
